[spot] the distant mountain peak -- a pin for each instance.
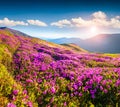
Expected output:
(3, 27)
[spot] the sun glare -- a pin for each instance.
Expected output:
(93, 29)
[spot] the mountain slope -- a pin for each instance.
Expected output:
(8, 31)
(37, 73)
(74, 47)
(103, 43)
(12, 31)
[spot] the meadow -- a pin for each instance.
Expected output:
(37, 73)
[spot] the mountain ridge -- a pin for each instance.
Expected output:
(108, 43)
(15, 32)
(44, 42)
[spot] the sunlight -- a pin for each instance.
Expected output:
(93, 29)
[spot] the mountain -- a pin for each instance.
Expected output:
(66, 40)
(37, 73)
(4, 30)
(12, 31)
(25, 64)
(108, 43)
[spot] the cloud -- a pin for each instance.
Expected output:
(98, 19)
(7, 22)
(79, 22)
(99, 15)
(115, 22)
(37, 23)
(61, 23)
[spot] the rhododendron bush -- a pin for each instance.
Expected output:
(35, 74)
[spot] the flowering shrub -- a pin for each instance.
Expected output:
(39, 74)
(11, 105)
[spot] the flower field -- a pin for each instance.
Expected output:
(36, 73)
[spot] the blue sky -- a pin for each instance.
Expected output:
(61, 18)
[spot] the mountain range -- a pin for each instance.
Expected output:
(71, 47)
(103, 43)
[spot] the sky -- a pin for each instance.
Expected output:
(61, 18)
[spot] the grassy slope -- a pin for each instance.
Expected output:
(74, 47)
(24, 61)
(9, 44)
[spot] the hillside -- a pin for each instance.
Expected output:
(103, 43)
(74, 47)
(37, 73)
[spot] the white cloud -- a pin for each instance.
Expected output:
(115, 23)
(99, 15)
(61, 23)
(98, 19)
(79, 22)
(7, 22)
(36, 22)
